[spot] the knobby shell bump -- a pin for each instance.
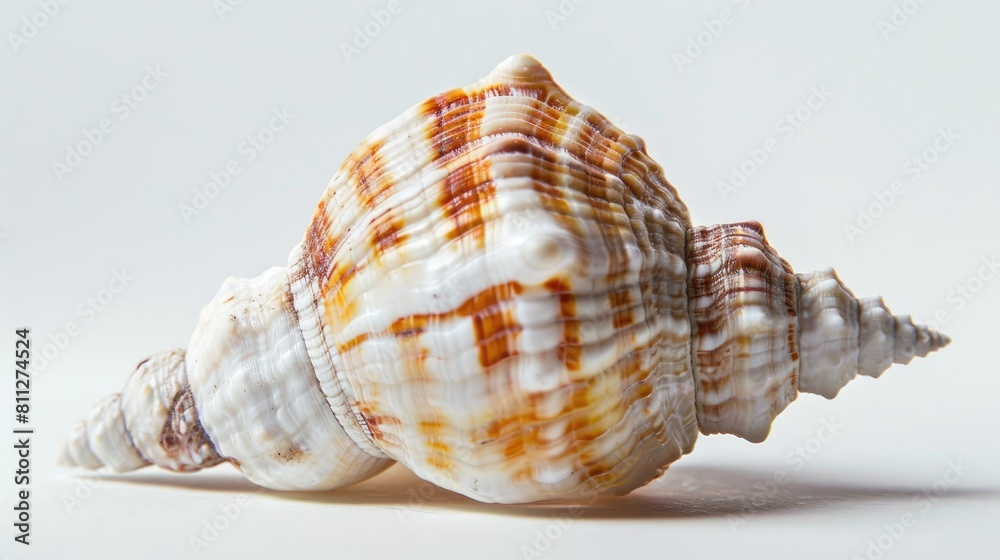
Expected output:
(501, 291)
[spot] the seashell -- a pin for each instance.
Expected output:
(501, 291)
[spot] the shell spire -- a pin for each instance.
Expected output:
(842, 335)
(152, 421)
(243, 392)
(761, 333)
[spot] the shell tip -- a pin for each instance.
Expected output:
(930, 340)
(522, 67)
(940, 340)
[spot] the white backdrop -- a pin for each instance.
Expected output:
(878, 121)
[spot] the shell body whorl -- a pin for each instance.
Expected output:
(505, 283)
(253, 382)
(501, 291)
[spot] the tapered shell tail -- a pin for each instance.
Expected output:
(842, 336)
(245, 391)
(760, 333)
(152, 421)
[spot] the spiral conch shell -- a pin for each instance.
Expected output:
(500, 291)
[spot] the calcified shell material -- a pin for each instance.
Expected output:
(501, 291)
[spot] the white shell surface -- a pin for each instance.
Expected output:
(147, 400)
(877, 337)
(108, 439)
(77, 451)
(830, 329)
(257, 397)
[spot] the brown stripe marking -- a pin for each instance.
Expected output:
(369, 176)
(482, 307)
(621, 306)
(466, 197)
(496, 334)
(749, 265)
(365, 170)
(319, 246)
(591, 412)
(569, 349)
(467, 189)
(375, 421)
(439, 452)
(458, 116)
(387, 233)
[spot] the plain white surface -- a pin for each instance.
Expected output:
(62, 242)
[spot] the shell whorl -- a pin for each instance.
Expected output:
(152, 421)
(243, 392)
(743, 305)
(501, 291)
(258, 394)
(760, 333)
